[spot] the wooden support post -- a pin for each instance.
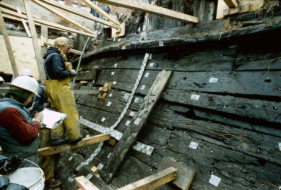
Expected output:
(85, 184)
(49, 24)
(24, 24)
(47, 151)
(99, 10)
(44, 39)
(185, 174)
(62, 16)
(8, 45)
(80, 13)
(152, 9)
(131, 134)
(231, 3)
(153, 181)
(36, 46)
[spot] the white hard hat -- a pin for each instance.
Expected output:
(26, 72)
(26, 83)
(1, 80)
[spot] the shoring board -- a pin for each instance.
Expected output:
(130, 135)
(47, 151)
(36, 46)
(152, 9)
(154, 181)
(8, 45)
(2, 4)
(24, 24)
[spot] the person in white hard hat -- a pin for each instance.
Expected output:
(18, 133)
(24, 72)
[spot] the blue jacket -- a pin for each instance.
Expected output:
(10, 145)
(39, 101)
(54, 65)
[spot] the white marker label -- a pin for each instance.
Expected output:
(70, 158)
(142, 87)
(89, 176)
(213, 80)
(119, 40)
(214, 180)
(279, 146)
(87, 136)
(114, 82)
(137, 100)
(195, 97)
(137, 121)
(161, 44)
(103, 119)
(193, 145)
(150, 56)
(151, 64)
(109, 103)
(128, 123)
(109, 155)
(124, 47)
(146, 75)
(112, 73)
(93, 81)
(110, 95)
(132, 113)
(115, 65)
(100, 166)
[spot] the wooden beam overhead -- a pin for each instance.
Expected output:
(15, 9)
(47, 23)
(71, 50)
(231, 3)
(24, 24)
(47, 151)
(99, 10)
(152, 9)
(8, 45)
(51, 9)
(80, 13)
(154, 181)
(36, 46)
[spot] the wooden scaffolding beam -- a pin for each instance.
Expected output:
(47, 151)
(15, 9)
(139, 120)
(36, 46)
(51, 9)
(154, 181)
(80, 13)
(231, 3)
(8, 45)
(16, 16)
(24, 24)
(152, 9)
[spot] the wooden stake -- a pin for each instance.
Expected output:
(231, 3)
(49, 24)
(80, 13)
(47, 151)
(153, 181)
(36, 46)
(8, 45)
(24, 24)
(62, 16)
(152, 9)
(131, 134)
(99, 10)
(85, 184)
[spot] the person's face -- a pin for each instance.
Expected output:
(29, 99)
(65, 49)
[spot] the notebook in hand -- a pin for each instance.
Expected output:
(51, 119)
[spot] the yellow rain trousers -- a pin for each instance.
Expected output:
(47, 163)
(62, 99)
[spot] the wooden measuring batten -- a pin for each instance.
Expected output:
(8, 45)
(130, 135)
(47, 151)
(152, 9)
(154, 181)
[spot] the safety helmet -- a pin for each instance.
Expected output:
(26, 72)
(26, 83)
